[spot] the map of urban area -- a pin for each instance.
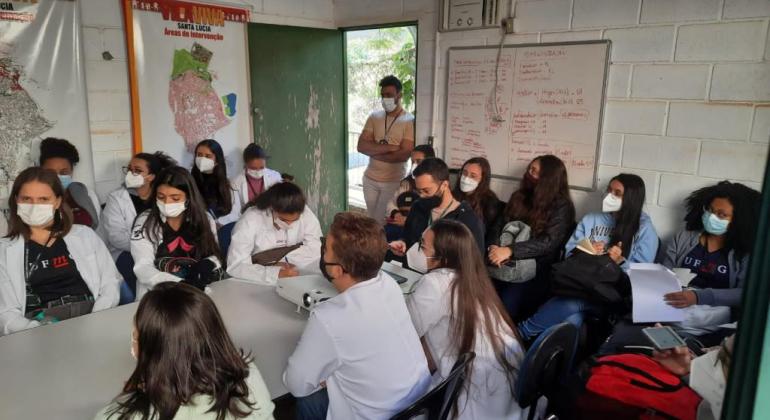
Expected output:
(198, 110)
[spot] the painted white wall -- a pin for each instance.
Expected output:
(107, 81)
(688, 100)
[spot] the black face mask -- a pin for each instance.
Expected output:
(323, 264)
(434, 200)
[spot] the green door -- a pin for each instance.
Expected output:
(297, 93)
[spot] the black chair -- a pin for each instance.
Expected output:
(438, 402)
(546, 363)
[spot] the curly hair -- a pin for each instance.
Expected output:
(746, 208)
(52, 147)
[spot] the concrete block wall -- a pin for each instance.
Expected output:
(107, 81)
(688, 96)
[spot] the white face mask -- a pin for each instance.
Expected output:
(280, 224)
(468, 184)
(411, 170)
(417, 259)
(134, 180)
(205, 164)
(255, 173)
(171, 209)
(707, 378)
(611, 203)
(389, 104)
(35, 214)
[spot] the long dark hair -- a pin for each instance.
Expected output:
(62, 219)
(196, 217)
(627, 219)
(534, 202)
(156, 162)
(746, 203)
(479, 197)
(283, 197)
(215, 187)
(475, 303)
(184, 350)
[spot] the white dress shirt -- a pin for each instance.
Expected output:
(363, 344)
(489, 394)
(255, 232)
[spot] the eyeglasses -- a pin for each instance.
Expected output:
(134, 171)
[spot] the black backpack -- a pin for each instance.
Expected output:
(594, 278)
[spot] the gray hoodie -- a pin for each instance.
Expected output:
(681, 245)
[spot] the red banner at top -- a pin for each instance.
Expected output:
(197, 13)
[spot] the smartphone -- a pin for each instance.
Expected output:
(663, 338)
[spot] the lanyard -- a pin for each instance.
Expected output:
(443, 213)
(27, 270)
(387, 128)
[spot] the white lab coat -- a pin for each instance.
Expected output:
(363, 344)
(91, 258)
(255, 232)
(486, 394)
(117, 221)
(143, 251)
(239, 183)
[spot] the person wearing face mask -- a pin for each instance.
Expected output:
(124, 204)
(388, 139)
(256, 177)
(210, 173)
(622, 231)
(50, 269)
(177, 375)
(359, 356)
(175, 239)
(473, 187)
(394, 225)
(455, 310)
(436, 202)
(542, 202)
(420, 153)
(278, 218)
(61, 156)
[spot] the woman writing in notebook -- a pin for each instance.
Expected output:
(278, 219)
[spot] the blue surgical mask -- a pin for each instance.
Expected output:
(65, 180)
(714, 225)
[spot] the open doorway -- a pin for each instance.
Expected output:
(371, 54)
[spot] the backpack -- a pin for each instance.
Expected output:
(634, 386)
(514, 271)
(593, 278)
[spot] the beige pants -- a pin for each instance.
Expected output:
(377, 195)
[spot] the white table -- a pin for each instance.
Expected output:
(72, 369)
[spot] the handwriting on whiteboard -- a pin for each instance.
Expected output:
(541, 100)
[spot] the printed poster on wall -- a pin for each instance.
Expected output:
(190, 71)
(42, 85)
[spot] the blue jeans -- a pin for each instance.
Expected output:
(557, 310)
(125, 265)
(313, 406)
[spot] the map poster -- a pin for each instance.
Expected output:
(42, 85)
(189, 75)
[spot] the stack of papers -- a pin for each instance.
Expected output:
(649, 283)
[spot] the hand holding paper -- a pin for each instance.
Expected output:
(649, 284)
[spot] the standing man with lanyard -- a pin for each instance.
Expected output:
(388, 139)
(431, 178)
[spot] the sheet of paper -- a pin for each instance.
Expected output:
(649, 283)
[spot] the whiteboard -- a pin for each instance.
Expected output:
(549, 97)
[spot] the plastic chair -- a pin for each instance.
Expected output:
(546, 363)
(438, 402)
